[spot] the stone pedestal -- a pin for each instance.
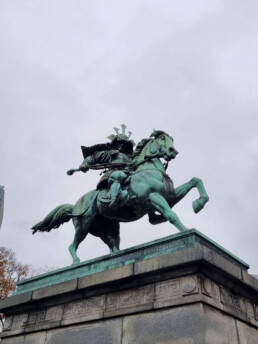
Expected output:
(182, 289)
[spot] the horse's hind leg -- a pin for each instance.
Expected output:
(111, 237)
(160, 204)
(81, 225)
(182, 190)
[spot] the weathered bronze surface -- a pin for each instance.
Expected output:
(134, 184)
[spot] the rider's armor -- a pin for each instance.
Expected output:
(113, 157)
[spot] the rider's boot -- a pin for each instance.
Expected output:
(118, 197)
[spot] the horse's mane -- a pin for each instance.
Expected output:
(140, 147)
(143, 142)
(157, 133)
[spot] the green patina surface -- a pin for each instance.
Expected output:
(134, 184)
(163, 246)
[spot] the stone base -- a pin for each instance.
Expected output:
(190, 291)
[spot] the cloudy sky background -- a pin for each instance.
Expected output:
(72, 70)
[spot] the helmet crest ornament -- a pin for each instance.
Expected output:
(121, 136)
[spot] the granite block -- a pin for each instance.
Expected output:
(220, 262)
(46, 318)
(182, 325)
(247, 334)
(53, 290)
(109, 332)
(250, 280)
(8, 323)
(130, 301)
(13, 340)
(106, 276)
(174, 259)
(35, 338)
(177, 291)
(218, 327)
(15, 300)
(84, 310)
(16, 325)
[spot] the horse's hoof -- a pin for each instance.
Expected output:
(76, 261)
(197, 206)
(115, 250)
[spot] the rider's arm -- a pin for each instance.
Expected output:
(98, 158)
(84, 167)
(95, 159)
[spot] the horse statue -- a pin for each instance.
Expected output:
(148, 188)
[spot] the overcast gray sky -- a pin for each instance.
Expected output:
(72, 70)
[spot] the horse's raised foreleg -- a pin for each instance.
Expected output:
(160, 204)
(182, 190)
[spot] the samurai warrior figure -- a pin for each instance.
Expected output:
(114, 158)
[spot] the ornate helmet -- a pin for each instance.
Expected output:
(121, 141)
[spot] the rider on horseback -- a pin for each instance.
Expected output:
(151, 190)
(114, 158)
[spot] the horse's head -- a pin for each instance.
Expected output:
(159, 145)
(162, 145)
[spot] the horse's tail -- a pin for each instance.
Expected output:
(58, 216)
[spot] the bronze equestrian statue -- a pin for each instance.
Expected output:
(134, 184)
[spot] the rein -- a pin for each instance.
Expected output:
(147, 158)
(150, 169)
